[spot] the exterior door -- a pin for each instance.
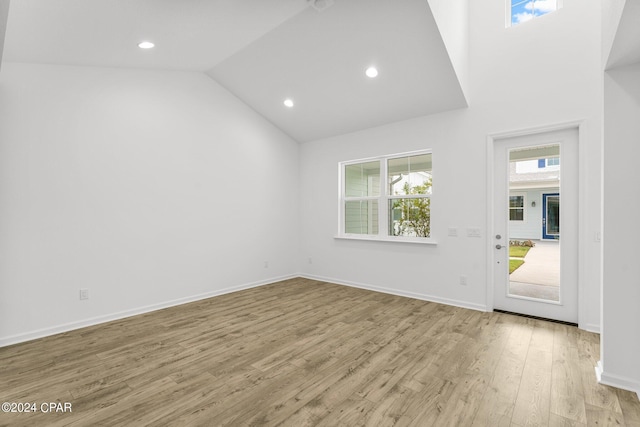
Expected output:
(534, 276)
(551, 216)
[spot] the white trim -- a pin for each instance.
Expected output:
(489, 197)
(536, 129)
(66, 327)
(387, 239)
(422, 297)
(582, 205)
(583, 231)
(616, 381)
(591, 327)
(387, 156)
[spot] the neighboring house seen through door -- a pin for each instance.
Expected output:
(530, 180)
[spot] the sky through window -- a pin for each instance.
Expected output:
(525, 10)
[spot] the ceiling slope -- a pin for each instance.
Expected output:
(318, 59)
(189, 34)
(626, 44)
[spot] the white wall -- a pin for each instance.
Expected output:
(148, 188)
(542, 72)
(621, 271)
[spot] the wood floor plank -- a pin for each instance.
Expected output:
(432, 399)
(304, 353)
(567, 396)
(601, 417)
(500, 396)
(595, 394)
(558, 421)
(629, 404)
(534, 394)
(351, 412)
(464, 402)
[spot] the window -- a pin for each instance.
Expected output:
(516, 207)
(524, 10)
(387, 197)
(552, 161)
(362, 191)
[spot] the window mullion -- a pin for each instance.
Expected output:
(383, 205)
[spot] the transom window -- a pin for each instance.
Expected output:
(524, 10)
(396, 206)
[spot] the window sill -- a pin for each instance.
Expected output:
(410, 240)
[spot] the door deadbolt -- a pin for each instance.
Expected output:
(498, 236)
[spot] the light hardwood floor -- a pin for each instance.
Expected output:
(302, 353)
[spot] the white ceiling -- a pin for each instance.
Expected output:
(263, 51)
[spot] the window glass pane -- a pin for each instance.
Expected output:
(410, 175)
(516, 214)
(516, 201)
(362, 179)
(361, 217)
(410, 217)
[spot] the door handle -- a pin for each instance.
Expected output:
(499, 246)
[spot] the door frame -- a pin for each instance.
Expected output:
(582, 205)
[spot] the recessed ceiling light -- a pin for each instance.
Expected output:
(288, 103)
(145, 45)
(371, 72)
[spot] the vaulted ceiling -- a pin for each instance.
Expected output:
(263, 51)
(626, 46)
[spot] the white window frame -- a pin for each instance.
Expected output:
(382, 199)
(524, 207)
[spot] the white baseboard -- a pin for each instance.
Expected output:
(616, 381)
(423, 297)
(591, 327)
(66, 327)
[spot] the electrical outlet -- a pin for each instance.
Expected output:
(84, 294)
(266, 264)
(310, 260)
(453, 232)
(463, 280)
